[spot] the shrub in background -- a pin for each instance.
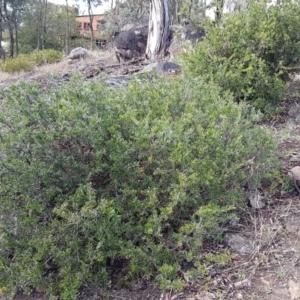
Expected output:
(17, 64)
(245, 52)
(94, 180)
(47, 56)
(27, 62)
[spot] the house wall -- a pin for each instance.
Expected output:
(83, 24)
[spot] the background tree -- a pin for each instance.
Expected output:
(175, 7)
(229, 6)
(10, 18)
(2, 52)
(67, 51)
(48, 33)
(41, 26)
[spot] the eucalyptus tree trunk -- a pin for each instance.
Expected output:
(159, 29)
(10, 26)
(233, 6)
(67, 29)
(2, 52)
(44, 23)
(176, 13)
(41, 24)
(203, 7)
(91, 16)
(16, 33)
(174, 9)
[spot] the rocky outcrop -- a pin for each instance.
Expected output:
(130, 43)
(184, 35)
(239, 243)
(192, 33)
(78, 52)
(162, 68)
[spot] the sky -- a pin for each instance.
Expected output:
(101, 9)
(83, 7)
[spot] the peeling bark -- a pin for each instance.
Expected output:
(159, 29)
(234, 5)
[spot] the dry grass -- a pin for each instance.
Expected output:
(37, 72)
(56, 68)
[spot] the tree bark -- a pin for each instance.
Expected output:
(39, 25)
(67, 29)
(16, 34)
(159, 34)
(10, 30)
(2, 52)
(44, 21)
(232, 6)
(42, 24)
(91, 16)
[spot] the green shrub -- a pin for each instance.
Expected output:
(245, 52)
(27, 62)
(20, 63)
(46, 56)
(38, 57)
(52, 56)
(94, 181)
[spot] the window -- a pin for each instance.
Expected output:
(86, 25)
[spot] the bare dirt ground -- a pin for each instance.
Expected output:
(271, 271)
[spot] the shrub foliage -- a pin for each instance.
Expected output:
(245, 52)
(27, 62)
(94, 180)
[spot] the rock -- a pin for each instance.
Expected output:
(239, 243)
(70, 61)
(129, 44)
(149, 68)
(239, 296)
(183, 36)
(242, 284)
(77, 53)
(295, 157)
(192, 33)
(66, 75)
(256, 200)
(161, 68)
(290, 123)
(117, 81)
(81, 66)
(281, 293)
(292, 224)
(175, 48)
(294, 173)
(294, 289)
(295, 112)
(205, 296)
(167, 67)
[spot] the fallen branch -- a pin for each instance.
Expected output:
(290, 69)
(127, 63)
